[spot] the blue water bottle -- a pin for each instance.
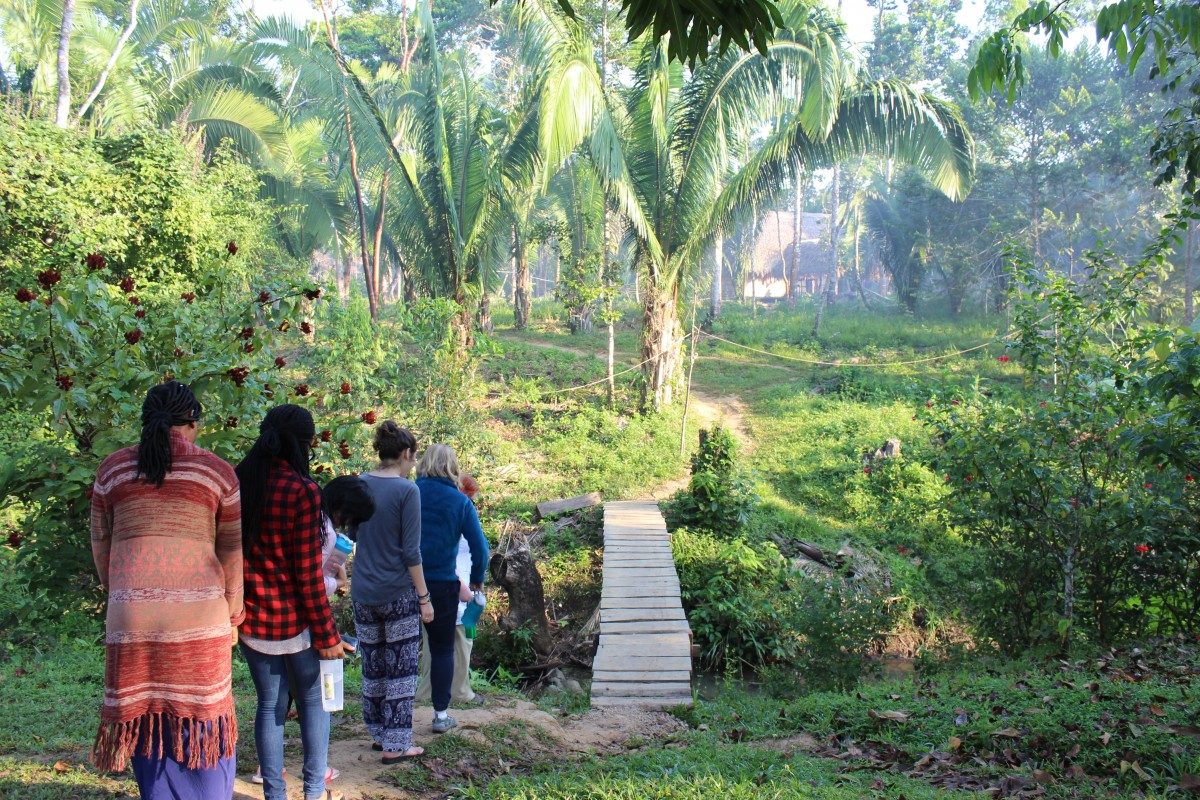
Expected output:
(471, 614)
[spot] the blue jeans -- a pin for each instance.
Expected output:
(444, 597)
(272, 676)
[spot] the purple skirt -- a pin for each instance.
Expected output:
(160, 777)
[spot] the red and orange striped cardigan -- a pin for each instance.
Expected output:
(171, 558)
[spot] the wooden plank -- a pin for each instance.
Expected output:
(641, 676)
(642, 702)
(615, 656)
(614, 660)
(641, 689)
(663, 626)
(644, 570)
(639, 614)
(552, 508)
(647, 601)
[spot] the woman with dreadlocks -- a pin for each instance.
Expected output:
(167, 541)
(289, 626)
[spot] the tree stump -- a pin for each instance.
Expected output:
(513, 568)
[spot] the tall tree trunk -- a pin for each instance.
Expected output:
(714, 303)
(521, 288)
(1188, 278)
(62, 111)
(797, 237)
(484, 315)
(858, 276)
(661, 343)
(112, 59)
(352, 149)
(831, 279)
(380, 216)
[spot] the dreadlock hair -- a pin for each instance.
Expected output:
(166, 405)
(287, 433)
(347, 501)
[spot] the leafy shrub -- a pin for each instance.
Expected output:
(1074, 525)
(737, 599)
(718, 498)
(841, 620)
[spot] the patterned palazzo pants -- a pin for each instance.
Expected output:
(389, 639)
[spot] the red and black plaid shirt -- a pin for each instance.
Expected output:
(285, 589)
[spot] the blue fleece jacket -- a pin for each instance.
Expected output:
(447, 514)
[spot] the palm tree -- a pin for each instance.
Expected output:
(454, 163)
(659, 156)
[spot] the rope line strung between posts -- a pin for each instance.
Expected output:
(819, 363)
(605, 378)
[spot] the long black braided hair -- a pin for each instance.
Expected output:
(166, 405)
(286, 432)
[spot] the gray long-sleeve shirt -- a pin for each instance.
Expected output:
(388, 543)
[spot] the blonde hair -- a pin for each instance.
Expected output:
(439, 461)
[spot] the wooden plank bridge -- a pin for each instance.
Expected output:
(645, 653)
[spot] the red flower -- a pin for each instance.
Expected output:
(25, 296)
(1141, 549)
(305, 327)
(188, 297)
(901, 549)
(134, 300)
(248, 347)
(134, 336)
(969, 478)
(1004, 359)
(280, 362)
(238, 375)
(140, 313)
(344, 449)
(955, 402)
(231, 422)
(929, 404)
(95, 262)
(318, 469)
(1042, 404)
(302, 390)
(14, 541)
(866, 470)
(178, 352)
(1188, 479)
(127, 284)
(264, 296)
(48, 277)
(247, 333)
(326, 435)
(1147, 485)
(368, 417)
(64, 382)
(312, 294)
(345, 387)
(231, 248)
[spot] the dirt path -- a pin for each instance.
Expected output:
(364, 777)
(704, 408)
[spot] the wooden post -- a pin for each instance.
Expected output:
(687, 397)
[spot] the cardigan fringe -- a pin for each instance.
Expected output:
(209, 740)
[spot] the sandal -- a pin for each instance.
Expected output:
(405, 756)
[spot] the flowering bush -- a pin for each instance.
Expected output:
(124, 280)
(1069, 514)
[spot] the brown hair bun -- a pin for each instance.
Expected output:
(391, 440)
